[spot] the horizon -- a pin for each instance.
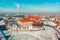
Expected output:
(30, 6)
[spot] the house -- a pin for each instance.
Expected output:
(30, 21)
(34, 18)
(24, 22)
(36, 21)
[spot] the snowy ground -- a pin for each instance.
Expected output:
(47, 34)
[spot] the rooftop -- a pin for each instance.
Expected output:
(25, 20)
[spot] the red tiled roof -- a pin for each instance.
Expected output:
(34, 18)
(57, 19)
(25, 20)
(58, 24)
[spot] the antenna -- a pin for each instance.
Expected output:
(17, 6)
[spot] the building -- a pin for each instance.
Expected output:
(30, 22)
(35, 18)
(25, 22)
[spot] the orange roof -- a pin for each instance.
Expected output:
(35, 18)
(56, 18)
(58, 24)
(25, 20)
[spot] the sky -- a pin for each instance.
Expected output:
(30, 5)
